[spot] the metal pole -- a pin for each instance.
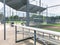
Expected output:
(39, 5)
(10, 15)
(23, 32)
(34, 37)
(16, 17)
(27, 13)
(4, 22)
(15, 33)
(39, 10)
(42, 13)
(46, 14)
(39, 2)
(23, 18)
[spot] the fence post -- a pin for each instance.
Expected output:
(34, 37)
(4, 22)
(15, 33)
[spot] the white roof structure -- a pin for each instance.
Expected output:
(20, 5)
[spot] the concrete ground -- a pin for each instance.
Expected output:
(10, 37)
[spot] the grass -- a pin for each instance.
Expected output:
(40, 25)
(44, 25)
(16, 22)
(52, 24)
(52, 29)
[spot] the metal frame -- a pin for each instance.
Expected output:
(50, 38)
(16, 41)
(27, 13)
(15, 33)
(27, 23)
(23, 39)
(4, 22)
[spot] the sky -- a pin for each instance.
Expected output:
(44, 3)
(55, 10)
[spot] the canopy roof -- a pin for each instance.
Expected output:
(32, 8)
(20, 5)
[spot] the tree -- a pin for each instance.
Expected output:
(16, 17)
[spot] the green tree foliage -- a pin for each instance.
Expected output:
(16, 17)
(13, 18)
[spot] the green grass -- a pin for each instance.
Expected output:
(56, 24)
(57, 30)
(51, 24)
(52, 29)
(38, 26)
(16, 22)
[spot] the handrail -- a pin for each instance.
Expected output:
(41, 30)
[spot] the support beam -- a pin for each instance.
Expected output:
(4, 22)
(27, 14)
(46, 14)
(16, 41)
(24, 39)
(40, 6)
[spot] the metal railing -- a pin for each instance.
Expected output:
(38, 34)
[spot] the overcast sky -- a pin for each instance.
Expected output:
(44, 3)
(55, 10)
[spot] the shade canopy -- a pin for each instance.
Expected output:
(20, 5)
(32, 8)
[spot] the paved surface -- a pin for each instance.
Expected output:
(10, 37)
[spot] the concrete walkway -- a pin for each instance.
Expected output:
(10, 40)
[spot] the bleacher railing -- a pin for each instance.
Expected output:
(37, 34)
